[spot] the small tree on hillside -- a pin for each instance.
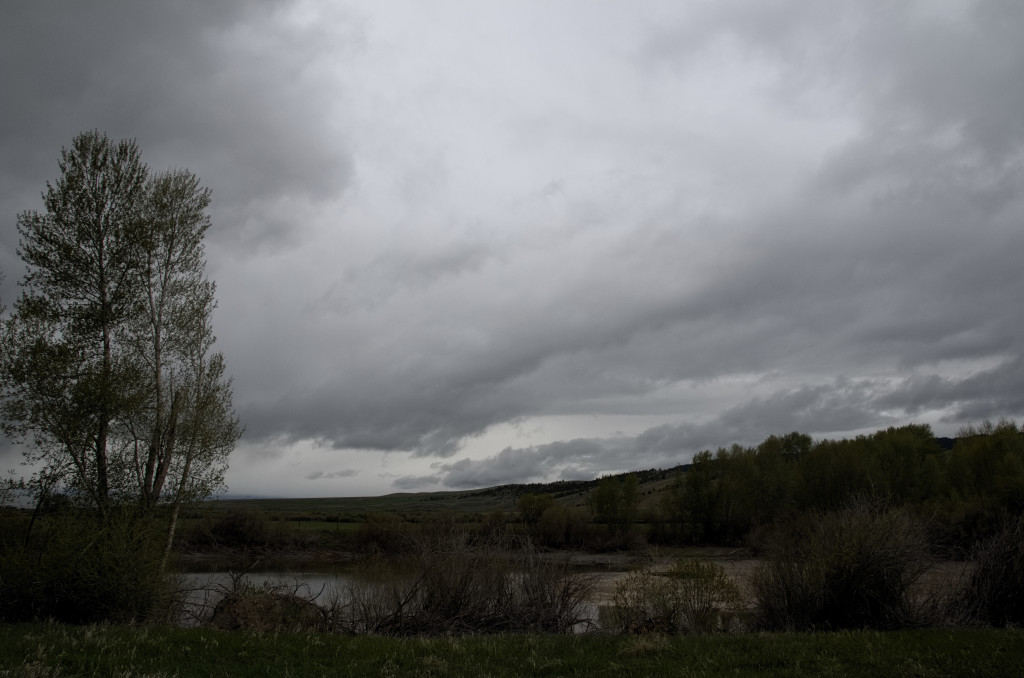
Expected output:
(616, 502)
(532, 506)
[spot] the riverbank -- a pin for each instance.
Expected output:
(50, 650)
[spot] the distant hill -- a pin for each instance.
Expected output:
(653, 482)
(483, 500)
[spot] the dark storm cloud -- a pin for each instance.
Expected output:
(230, 90)
(226, 89)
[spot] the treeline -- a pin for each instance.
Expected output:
(962, 489)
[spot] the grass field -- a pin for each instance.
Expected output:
(472, 501)
(482, 501)
(417, 506)
(44, 651)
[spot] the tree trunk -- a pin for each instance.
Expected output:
(102, 481)
(166, 453)
(172, 526)
(149, 496)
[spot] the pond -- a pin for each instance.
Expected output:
(352, 587)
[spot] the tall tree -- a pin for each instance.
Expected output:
(79, 291)
(171, 332)
(185, 430)
(110, 370)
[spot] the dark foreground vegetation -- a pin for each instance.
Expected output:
(45, 651)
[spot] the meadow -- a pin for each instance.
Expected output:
(51, 651)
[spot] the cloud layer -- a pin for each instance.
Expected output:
(454, 241)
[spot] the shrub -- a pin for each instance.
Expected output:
(78, 568)
(549, 596)
(466, 584)
(693, 597)
(995, 590)
(854, 568)
(461, 585)
(240, 528)
(532, 506)
(243, 530)
(494, 523)
(708, 598)
(561, 526)
(266, 608)
(381, 533)
(460, 582)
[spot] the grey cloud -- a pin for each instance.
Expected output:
(330, 475)
(886, 289)
(845, 405)
(407, 270)
(405, 415)
(907, 73)
(408, 483)
(579, 457)
(992, 393)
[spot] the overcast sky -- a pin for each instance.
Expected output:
(466, 243)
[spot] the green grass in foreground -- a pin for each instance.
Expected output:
(40, 650)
